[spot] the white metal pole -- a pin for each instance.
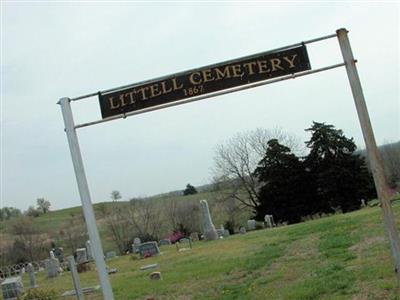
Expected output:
(85, 198)
(372, 150)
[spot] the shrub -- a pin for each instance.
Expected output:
(39, 293)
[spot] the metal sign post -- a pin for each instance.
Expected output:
(85, 198)
(372, 150)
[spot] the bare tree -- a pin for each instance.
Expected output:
(183, 215)
(236, 160)
(119, 226)
(29, 243)
(145, 218)
(171, 213)
(232, 211)
(74, 232)
(390, 153)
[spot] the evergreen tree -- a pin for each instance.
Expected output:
(284, 190)
(340, 178)
(190, 190)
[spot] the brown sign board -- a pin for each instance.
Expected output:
(221, 76)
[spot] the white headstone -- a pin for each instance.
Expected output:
(164, 242)
(269, 219)
(52, 267)
(251, 224)
(89, 251)
(31, 273)
(209, 228)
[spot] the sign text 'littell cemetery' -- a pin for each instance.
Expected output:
(204, 80)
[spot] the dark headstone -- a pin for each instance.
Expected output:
(164, 242)
(12, 287)
(59, 253)
(148, 249)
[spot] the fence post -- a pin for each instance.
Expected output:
(75, 278)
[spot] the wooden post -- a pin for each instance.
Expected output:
(372, 150)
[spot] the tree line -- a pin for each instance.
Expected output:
(42, 207)
(269, 172)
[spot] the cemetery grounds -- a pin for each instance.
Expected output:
(345, 256)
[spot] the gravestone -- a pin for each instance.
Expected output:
(12, 287)
(242, 230)
(85, 290)
(135, 246)
(183, 242)
(59, 253)
(111, 254)
(112, 270)
(226, 233)
(180, 246)
(89, 252)
(148, 249)
(164, 242)
(251, 224)
(194, 236)
(52, 265)
(81, 256)
(209, 229)
(155, 276)
(147, 267)
(220, 232)
(269, 220)
(31, 272)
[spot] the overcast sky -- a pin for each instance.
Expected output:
(52, 50)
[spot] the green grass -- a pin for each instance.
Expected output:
(338, 257)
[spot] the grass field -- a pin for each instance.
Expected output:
(338, 257)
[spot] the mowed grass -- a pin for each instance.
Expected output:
(338, 257)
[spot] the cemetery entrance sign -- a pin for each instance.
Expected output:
(204, 80)
(227, 77)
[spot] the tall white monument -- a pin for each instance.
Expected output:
(209, 229)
